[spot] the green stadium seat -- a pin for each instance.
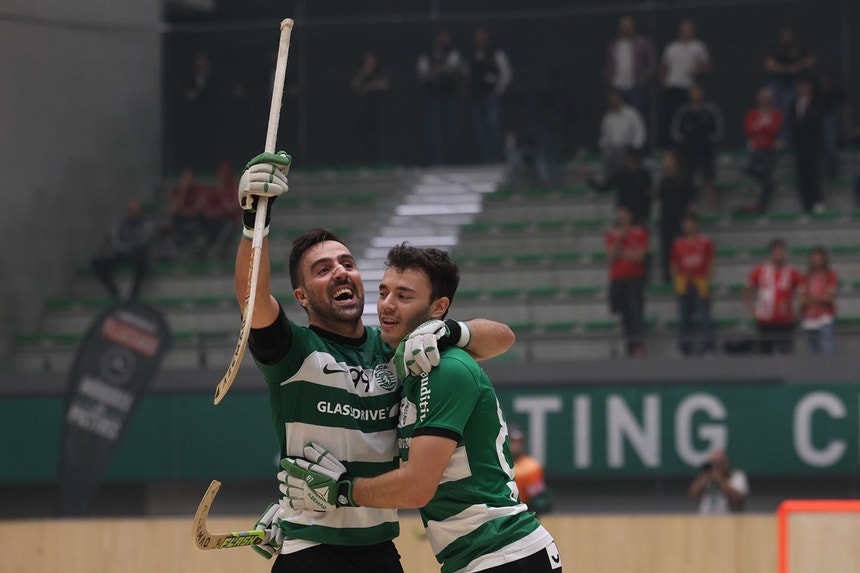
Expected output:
(552, 225)
(584, 290)
(560, 326)
(476, 228)
(784, 217)
(543, 292)
(598, 325)
(513, 226)
(468, 293)
(829, 215)
(528, 258)
(489, 259)
(590, 223)
(565, 256)
(522, 327)
(504, 292)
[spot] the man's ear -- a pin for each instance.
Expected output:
(301, 296)
(439, 307)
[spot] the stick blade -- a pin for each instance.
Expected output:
(202, 537)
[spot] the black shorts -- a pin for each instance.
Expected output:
(547, 560)
(379, 558)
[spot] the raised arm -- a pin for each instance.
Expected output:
(264, 176)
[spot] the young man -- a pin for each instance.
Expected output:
(627, 249)
(621, 129)
(774, 283)
(333, 382)
(458, 467)
(692, 268)
(696, 128)
(762, 126)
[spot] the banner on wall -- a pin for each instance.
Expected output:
(114, 365)
(767, 429)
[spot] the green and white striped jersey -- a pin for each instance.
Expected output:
(343, 394)
(475, 519)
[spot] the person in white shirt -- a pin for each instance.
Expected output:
(630, 64)
(622, 128)
(683, 61)
(719, 488)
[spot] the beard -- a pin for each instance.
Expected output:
(328, 310)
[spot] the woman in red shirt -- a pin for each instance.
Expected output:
(816, 301)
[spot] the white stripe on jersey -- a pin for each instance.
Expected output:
(443, 533)
(345, 445)
(324, 369)
(528, 545)
(458, 467)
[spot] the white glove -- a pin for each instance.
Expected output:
(270, 523)
(421, 349)
(317, 482)
(264, 176)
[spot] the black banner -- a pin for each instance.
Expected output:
(113, 368)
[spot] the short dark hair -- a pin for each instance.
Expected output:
(776, 242)
(444, 274)
(302, 243)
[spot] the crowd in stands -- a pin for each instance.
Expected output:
(797, 108)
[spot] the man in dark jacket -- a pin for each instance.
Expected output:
(696, 127)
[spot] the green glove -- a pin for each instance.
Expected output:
(318, 481)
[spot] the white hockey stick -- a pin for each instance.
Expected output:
(206, 540)
(260, 218)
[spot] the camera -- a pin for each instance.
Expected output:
(707, 466)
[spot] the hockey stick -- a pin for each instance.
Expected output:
(260, 218)
(206, 540)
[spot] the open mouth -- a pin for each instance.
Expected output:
(343, 294)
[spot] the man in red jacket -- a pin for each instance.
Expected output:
(762, 126)
(626, 248)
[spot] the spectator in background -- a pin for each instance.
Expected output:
(817, 296)
(621, 129)
(184, 211)
(632, 185)
(676, 195)
(719, 488)
(769, 298)
(786, 64)
(762, 126)
(832, 108)
(489, 77)
(127, 244)
(696, 128)
(626, 248)
(542, 129)
(370, 83)
(202, 94)
(630, 63)
(805, 125)
(440, 72)
(220, 212)
(684, 60)
(528, 474)
(692, 268)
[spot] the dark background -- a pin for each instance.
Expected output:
(330, 38)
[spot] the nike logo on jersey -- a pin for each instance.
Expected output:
(327, 369)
